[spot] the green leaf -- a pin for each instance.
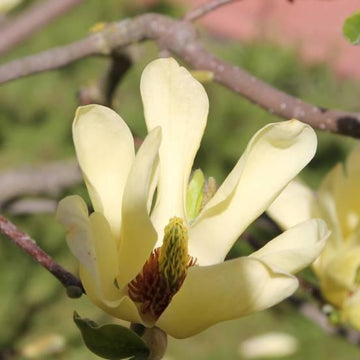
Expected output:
(351, 28)
(195, 194)
(111, 341)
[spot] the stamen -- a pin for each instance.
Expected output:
(164, 272)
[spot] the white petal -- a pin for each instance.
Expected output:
(296, 248)
(138, 235)
(274, 156)
(105, 151)
(177, 102)
(222, 292)
(293, 206)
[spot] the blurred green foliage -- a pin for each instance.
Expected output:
(35, 127)
(351, 28)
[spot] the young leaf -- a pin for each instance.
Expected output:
(111, 341)
(195, 194)
(351, 28)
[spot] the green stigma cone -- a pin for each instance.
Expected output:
(174, 259)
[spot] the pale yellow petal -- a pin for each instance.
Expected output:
(8, 5)
(91, 241)
(326, 208)
(72, 213)
(350, 311)
(222, 292)
(105, 151)
(138, 236)
(123, 309)
(347, 194)
(106, 256)
(274, 156)
(293, 206)
(269, 345)
(178, 103)
(339, 276)
(353, 162)
(296, 248)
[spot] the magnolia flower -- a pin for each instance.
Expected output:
(338, 202)
(269, 345)
(158, 259)
(7, 5)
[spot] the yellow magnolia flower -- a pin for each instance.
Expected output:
(142, 257)
(338, 202)
(7, 5)
(269, 345)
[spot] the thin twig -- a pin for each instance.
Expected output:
(102, 92)
(180, 38)
(16, 30)
(31, 206)
(204, 9)
(312, 312)
(25, 242)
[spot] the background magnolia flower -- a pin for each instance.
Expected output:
(338, 202)
(7, 5)
(134, 269)
(269, 345)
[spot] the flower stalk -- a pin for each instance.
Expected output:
(154, 338)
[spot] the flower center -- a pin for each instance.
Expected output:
(164, 272)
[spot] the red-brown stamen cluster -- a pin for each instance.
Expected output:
(152, 289)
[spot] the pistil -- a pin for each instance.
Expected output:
(164, 272)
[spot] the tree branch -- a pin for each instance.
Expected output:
(180, 38)
(205, 8)
(316, 315)
(28, 22)
(26, 243)
(31, 206)
(102, 92)
(50, 178)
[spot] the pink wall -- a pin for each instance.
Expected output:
(312, 26)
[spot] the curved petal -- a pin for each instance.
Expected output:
(138, 235)
(346, 193)
(353, 162)
(105, 151)
(178, 103)
(123, 309)
(296, 248)
(350, 311)
(274, 156)
(339, 275)
(293, 206)
(106, 259)
(91, 241)
(72, 213)
(222, 292)
(326, 208)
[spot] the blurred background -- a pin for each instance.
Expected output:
(295, 46)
